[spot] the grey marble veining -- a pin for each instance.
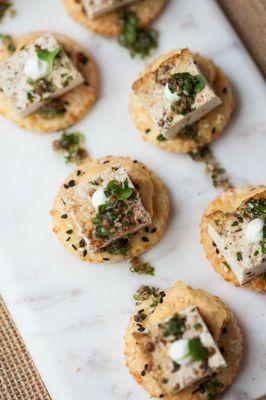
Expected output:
(72, 316)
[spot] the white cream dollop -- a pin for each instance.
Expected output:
(179, 352)
(36, 68)
(169, 95)
(254, 230)
(98, 198)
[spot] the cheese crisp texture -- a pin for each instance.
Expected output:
(176, 94)
(28, 95)
(120, 214)
(95, 8)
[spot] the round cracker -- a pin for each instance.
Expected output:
(216, 315)
(209, 127)
(228, 201)
(154, 197)
(78, 101)
(111, 24)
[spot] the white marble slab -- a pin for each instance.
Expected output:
(72, 316)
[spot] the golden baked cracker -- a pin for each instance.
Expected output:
(111, 24)
(78, 101)
(228, 201)
(221, 323)
(154, 197)
(209, 127)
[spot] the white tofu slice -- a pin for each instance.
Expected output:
(153, 92)
(245, 258)
(28, 96)
(173, 376)
(95, 8)
(81, 203)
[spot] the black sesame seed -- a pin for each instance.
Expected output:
(224, 90)
(68, 239)
(222, 350)
(64, 216)
(82, 243)
(146, 229)
(213, 129)
(135, 161)
(78, 173)
(71, 183)
(153, 230)
(145, 239)
(74, 247)
(225, 330)
(143, 373)
(69, 232)
(106, 259)
(106, 161)
(65, 186)
(84, 253)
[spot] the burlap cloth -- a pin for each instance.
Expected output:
(19, 379)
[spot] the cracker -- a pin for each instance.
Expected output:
(152, 192)
(111, 24)
(79, 100)
(228, 201)
(209, 127)
(217, 316)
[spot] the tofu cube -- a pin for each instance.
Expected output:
(106, 207)
(186, 327)
(95, 8)
(176, 94)
(245, 258)
(27, 95)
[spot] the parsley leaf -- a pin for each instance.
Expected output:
(48, 56)
(196, 350)
(123, 192)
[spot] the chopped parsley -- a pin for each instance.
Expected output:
(48, 56)
(5, 7)
(137, 40)
(141, 268)
(52, 109)
(174, 327)
(149, 292)
(118, 247)
(256, 208)
(213, 169)
(196, 350)
(70, 145)
(186, 86)
(8, 42)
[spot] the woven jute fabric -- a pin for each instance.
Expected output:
(249, 20)
(19, 379)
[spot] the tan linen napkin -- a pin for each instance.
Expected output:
(19, 379)
(249, 19)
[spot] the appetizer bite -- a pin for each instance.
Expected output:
(181, 102)
(107, 17)
(233, 235)
(182, 343)
(48, 83)
(110, 209)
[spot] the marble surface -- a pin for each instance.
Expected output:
(72, 316)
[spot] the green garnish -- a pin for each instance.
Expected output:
(256, 208)
(141, 268)
(118, 247)
(189, 132)
(8, 42)
(70, 145)
(196, 350)
(161, 138)
(4, 7)
(122, 192)
(52, 109)
(174, 327)
(138, 41)
(48, 56)
(186, 86)
(213, 168)
(149, 292)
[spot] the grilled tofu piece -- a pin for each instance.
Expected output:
(239, 238)
(184, 351)
(26, 94)
(106, 207)
(176, 94)
(95, 8)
